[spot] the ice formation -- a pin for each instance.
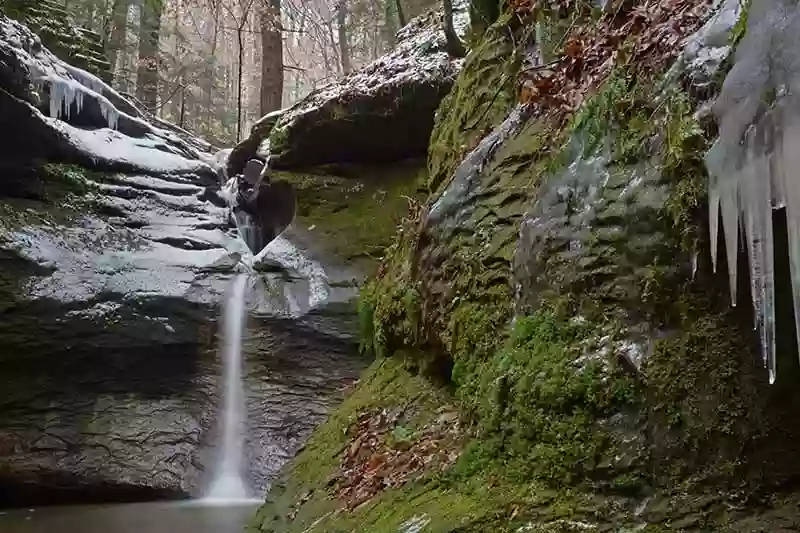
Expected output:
(752, 163)
(67, 93)
(69, 87)
(118, 133)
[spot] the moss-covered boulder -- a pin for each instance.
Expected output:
(78, 46)
(351, 215)
(557, 288)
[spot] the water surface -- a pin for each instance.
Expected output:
(155, 517)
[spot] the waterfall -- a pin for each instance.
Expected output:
(229, 483)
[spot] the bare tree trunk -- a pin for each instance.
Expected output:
(389, 23)
(183, 106)
(117, 31)
(334, 48)
(401, 17)
(207, 82)
(240, 42)
(271, 57)
(326, 60)
(344, 45)
(148, 69)
(454, 45)
(174, 105)
(297, 75)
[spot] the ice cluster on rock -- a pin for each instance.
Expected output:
(707, 49)
(85, 110)
(753, 163)
(66, 94)
(67, 86)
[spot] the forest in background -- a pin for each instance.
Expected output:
(216, 66)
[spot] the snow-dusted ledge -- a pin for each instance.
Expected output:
(90, 121)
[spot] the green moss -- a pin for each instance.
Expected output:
(541, 397)
(740, 28)
(613, 102)
(50, 193)
(704, 399)
(477, 495)
(481, 98)
(278, 140)
(685, 147)
(60, 179)
(388, 383)
(356, 218)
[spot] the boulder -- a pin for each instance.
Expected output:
(256, 146)
(380, 113)
(83, 119)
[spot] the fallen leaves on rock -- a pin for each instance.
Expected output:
(382, 453)
(409, 224)
(648, 33)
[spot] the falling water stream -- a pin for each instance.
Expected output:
(229, 483)
(229, 502)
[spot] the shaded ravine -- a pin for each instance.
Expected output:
(108, 356)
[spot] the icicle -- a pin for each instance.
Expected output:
(730, 225)
(713, 213)
(763, 172)
(64, 94)
(109, 112)
(767, 249)
(776, 173)
(790, 158)
(757, 206)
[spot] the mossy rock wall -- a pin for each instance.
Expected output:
(558, 284)
(353, 212)
(467, 251)
(77, 46)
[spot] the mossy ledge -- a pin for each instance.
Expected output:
(603, 379)
(354, 211)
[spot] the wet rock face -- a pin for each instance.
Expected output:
(110, 285)
(597, 228)
(291, 390)
(262, 208)
(382, 112)
(108, 364)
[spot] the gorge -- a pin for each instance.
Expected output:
(551, 286)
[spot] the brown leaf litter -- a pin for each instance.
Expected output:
(382, 454)
(648, 34)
